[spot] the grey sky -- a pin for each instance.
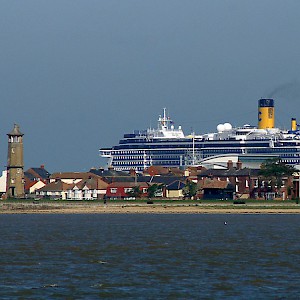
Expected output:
(76, 75)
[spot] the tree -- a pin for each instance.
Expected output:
(135, 192)
(190, 189)
(154, 190)
(273, 171)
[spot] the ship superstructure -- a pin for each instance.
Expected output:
(170, 147)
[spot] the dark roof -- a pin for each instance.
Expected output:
(229, 172)
(71, 175)
(112, 175)
(109, 173)
(127, 184)
(176, 185)
(43, 173)
(119, 179)
(166, 180)
(30, 176)
(56, 186)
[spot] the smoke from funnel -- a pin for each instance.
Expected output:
(286, 91)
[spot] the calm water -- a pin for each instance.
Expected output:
(149, 257)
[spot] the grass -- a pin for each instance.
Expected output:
(222, 203)
(211, 205)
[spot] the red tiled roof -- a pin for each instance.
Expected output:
(159, 170)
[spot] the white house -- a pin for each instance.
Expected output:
(89, 189)
(3, 182)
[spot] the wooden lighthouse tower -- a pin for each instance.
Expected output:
(15, 164)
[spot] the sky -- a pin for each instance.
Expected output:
(77, 75)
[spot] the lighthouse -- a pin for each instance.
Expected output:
(15, 164)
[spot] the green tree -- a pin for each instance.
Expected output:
(135, 192)
(273, 171)
(154, 190)
(190, 189)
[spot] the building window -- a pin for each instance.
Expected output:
(113, 190)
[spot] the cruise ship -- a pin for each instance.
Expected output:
(169, 147)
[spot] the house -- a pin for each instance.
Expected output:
(211, 188)
(163, 181)
(54, 190)
(32, 186)
(248, 183)
(112, 175)
(3, 179)
(296, 185)
(37, 174)
(70, 177)
(174, 190)
(74, 186)
(35, 178)
(88, 189)
(122, 190)
(244, 180)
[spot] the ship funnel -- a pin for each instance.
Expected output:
(293, 124)
(266, 117)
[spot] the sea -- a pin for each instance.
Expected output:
(143, 256)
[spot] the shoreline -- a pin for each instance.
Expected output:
(91, 208)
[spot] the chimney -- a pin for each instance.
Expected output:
(42, 166)
(229, 164)
(239, 165)
(187, 173)
(132, 172)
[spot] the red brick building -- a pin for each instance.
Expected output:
(121, 190)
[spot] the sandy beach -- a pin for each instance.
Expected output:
(143, 208)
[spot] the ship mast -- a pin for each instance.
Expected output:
(165, 113)
(193, 161)
(163, 121)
